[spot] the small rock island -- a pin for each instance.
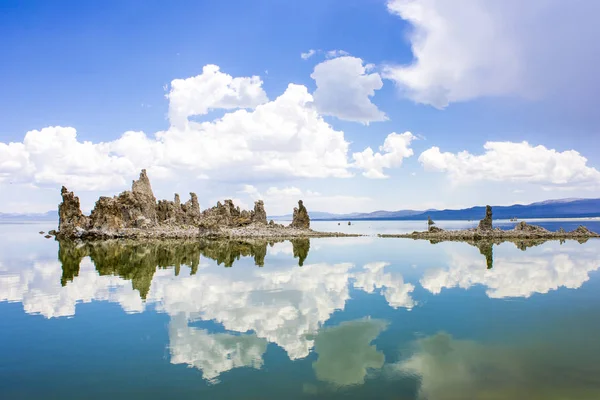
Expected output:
(137, 214)
(486, 231)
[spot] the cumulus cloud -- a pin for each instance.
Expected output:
(210, 90)
(394, 150)
(344, 88)
(514, 162)
(286, 137)
(497, 48)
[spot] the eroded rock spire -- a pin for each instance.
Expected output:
(300, 217)
(70, 217)
(486, 223)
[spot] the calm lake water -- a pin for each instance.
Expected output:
(334, 318)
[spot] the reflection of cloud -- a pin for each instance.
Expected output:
(345, 352)
(39, 289)
(395, 291)
(521, 276)
(215, 353)
(452, 369)
(282, 305)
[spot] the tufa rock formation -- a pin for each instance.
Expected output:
(191, 210)
(131, 209)
(486, 223)
(300, 217)
(136, 213)
(70, 217)
(524, 227)
(259, 214)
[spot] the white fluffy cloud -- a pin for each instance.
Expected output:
(514, 162)
(494, 48)
(55, 155)
(286, 137)
(394, 150)
(212, 90)
(344, 88)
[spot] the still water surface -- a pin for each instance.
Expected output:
(347, 318)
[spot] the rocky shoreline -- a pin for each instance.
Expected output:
(279, 232)
(136, 214)
(486, 231)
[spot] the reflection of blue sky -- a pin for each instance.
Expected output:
(287, 305)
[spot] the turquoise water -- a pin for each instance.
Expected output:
(348, 318)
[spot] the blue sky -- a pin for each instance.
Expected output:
(455, 78)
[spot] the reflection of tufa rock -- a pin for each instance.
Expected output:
(300, 249)
(300, 217)
(486, 223)
(138, 260)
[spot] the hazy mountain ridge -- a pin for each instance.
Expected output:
(47, 216)
(559, 208)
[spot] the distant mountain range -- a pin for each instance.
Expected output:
(48, 216)
(560, 208)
